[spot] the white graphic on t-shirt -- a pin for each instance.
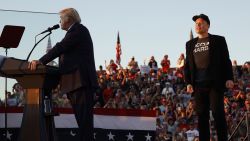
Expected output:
(200, 47)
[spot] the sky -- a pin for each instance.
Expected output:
(147, 28)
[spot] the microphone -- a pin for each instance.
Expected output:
(36, 43)
(50, 28)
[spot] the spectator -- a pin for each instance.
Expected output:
(236, 71)
(153, 64)
(192, 132)
(165, 64)
(247, 66)
(18, 92)
(111, 68)
(180, 112)
(65, 101)
(171, 125)
(101, 72)
(11, 99)
(180, 62)
(133, 65)
(190, 112)
(179, 135)
(107, 93)
(168, 90)
(247, 105)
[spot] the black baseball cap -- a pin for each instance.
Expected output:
(203, 16)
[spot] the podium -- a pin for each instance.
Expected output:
(36, 125)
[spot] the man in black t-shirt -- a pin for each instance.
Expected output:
(208, 72)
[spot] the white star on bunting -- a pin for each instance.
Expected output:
(111, 137)
(8, 135)
(148, 137)
(130, 137)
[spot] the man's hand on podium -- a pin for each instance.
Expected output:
(33, 64)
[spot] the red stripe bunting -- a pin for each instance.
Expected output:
(97, 111)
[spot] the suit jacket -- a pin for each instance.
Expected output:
(220, 66)
(76, 59)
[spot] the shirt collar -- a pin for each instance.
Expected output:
(71, 26)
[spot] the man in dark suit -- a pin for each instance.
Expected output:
(77, 68)
(208, 72)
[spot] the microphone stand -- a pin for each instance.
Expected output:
(6, 105)
(37, 44)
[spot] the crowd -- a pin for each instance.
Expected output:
(160, 88)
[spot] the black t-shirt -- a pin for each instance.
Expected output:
(201, 59)
(201, 53)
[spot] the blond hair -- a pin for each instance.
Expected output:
(71, 13)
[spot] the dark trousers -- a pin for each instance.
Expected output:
(206, 99)
(82, 105)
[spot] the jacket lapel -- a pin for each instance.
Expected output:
(211, 47)
(191, 52)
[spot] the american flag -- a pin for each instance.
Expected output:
(118, 50)
(109, 124)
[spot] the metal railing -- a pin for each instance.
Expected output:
(241, 122)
